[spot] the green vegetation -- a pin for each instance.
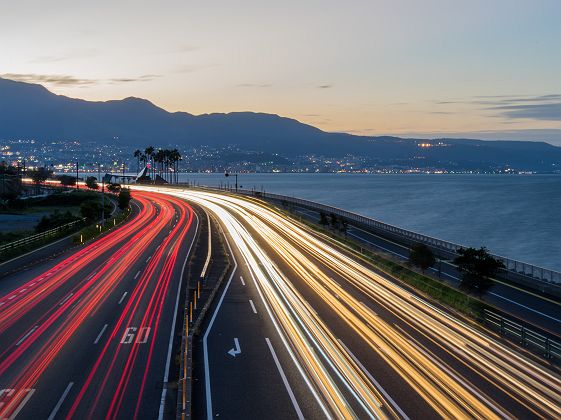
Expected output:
(54, 220)
(67, 180)
(165, 162)
(10, 182)
(91, 183)
(92, 231)
(114, 188)
(124, 198)
(476, 267)
(422, 257)
(66, 207)
(39, 176)
(437, 290)
(7, 237)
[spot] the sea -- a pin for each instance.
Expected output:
(516, 216)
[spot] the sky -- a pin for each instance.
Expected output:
(432, 68)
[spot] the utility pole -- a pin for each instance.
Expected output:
(77, 170)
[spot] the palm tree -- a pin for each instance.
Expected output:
(168, 160)
(137, 155)
(176, 157)
(159, 158)
(149, 152)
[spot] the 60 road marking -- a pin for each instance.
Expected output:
(141, 337)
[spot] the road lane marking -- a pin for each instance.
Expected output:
(374, 381)
(236, 349)
(122, 298)
(172, 331)
(60, 401)
(65, 299)
(208, 395)
(30, 392)
(136, 275)
(100, 334)
(243, 282)
(252, 306)
(525, 307)
(456, 278)
(285, 381)
(27, 335)
(148, 259)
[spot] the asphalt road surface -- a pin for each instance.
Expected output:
(89, 334)
(312, 332)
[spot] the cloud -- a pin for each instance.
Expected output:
(548, 111)
(533, 107)
(258, 85)
(144, 78)
(66, 80)
(325, 86)
(53, 79)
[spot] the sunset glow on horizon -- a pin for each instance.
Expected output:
(408, 68)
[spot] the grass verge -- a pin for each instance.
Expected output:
(93, 231)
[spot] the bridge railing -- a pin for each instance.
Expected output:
(40, 236)
(537, 342)
(518, 267)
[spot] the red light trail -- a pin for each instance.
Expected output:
(85, 280)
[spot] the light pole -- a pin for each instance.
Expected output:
(234, 174)
(102, 195)
(77, 175)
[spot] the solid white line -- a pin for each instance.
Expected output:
(38, 249)
(456, 278)
(27, 335)
(252, 306)
(172, 332)
(122, 298)
(136, 275)
(243, 282)
(205, 337)
(59, 403)
(209, 253)
(22, 403)
(375, 382)
(525, 307)
(375, 244)
(285, 381)
(100, 334)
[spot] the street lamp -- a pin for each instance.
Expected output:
(236, 175)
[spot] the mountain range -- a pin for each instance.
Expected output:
(30, 111)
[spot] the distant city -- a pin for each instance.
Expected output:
(62, 156)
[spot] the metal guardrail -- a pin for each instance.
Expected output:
(532, 340)
(519, 267)
(39, 236)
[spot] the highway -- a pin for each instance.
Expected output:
(304, 330)
(535, 308)
(90, 334)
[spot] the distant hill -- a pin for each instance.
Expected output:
(31, 111)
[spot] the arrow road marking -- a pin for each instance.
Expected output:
(236, 350)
